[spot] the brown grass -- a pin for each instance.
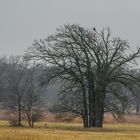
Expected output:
(108, 118)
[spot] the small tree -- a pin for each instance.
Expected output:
(33, 101)
(17, 83)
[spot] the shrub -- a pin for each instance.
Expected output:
(13, 123)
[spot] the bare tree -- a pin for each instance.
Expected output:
(88, 59)
(17, 82)
(33, 102)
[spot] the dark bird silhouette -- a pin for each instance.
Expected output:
(94, 29)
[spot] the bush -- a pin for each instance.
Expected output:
(13, 123)
(59, 116)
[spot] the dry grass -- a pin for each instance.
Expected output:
(108, 118)
(63, 131)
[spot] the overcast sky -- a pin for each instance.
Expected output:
(22, 21)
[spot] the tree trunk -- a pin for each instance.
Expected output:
(29, 121)
(137, 108)
(32, 123)
(28, 114)
(85, 110)
(19, 115)
(85, 121)
(91, 105)
(99, 108)
(99, 116)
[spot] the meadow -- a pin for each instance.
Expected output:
(69, 131)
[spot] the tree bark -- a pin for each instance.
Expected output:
(137, 108)
(19, 115)
(29, 121)
(32, 124)
(85, 109)
(99, 116)
(91, 105)
(99, 108)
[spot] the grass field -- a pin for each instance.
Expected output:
(63, 131)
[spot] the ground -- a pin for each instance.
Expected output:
(69, 131)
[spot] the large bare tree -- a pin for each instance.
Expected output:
(89, 60)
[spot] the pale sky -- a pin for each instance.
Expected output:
(22, 21)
